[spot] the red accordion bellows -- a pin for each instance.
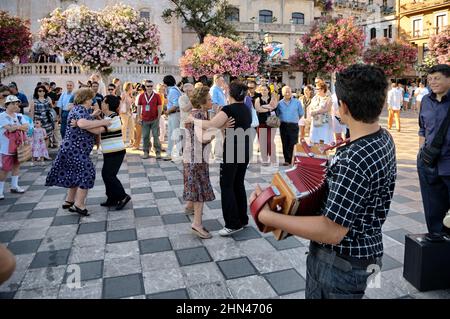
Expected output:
(300, 190)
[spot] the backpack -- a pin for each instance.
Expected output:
(150, 113)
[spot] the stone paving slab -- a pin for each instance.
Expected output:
(147, 250)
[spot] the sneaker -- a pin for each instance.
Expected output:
(145, 156)
(158, 156)
(2, 197)
(17, 190)
(227, 231)
(447, 220)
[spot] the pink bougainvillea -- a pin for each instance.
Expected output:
(393, 57)
(439, 46)
(15, 37)
(96, 39)
(330, 46)
(218, 55)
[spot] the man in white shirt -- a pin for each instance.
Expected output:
(395, 101)
(420, 92)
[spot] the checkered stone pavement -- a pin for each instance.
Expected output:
(147, 250)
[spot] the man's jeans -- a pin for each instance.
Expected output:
(64, 115)
(174, 126)
(152, 127)
(331, 277)
(435, 190)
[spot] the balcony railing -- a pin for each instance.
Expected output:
(355, 5)
(426, 33)
(54, 69)
(412, 5)
(271, 27)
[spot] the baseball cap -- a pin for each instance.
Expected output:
(11, 99)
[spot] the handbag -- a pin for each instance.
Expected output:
(273, 121)
(430, 154)
(24, 150)
(255, 121)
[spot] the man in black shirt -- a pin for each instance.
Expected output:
(98, 98)
(346, 238)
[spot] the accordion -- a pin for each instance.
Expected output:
(300, 190)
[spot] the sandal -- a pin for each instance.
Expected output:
(75, 209)
(68, 205)
(204, 234)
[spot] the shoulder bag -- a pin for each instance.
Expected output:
(430, 153)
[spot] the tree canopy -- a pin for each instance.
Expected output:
(203, 17)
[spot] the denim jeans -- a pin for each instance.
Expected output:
(435, 190)
(330, 278)
(64, 115)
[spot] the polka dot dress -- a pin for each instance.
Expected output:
(72, 166)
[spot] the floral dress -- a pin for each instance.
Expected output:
(197, 186)
(72, 166)
(321, 126)
(39, 147)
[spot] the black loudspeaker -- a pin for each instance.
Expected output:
(427, 262)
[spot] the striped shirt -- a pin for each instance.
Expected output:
(111, 140)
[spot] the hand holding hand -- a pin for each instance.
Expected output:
(107, 122)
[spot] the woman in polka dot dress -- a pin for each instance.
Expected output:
(72, 168)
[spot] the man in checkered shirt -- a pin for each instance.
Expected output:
(346, 239)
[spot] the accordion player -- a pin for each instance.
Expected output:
(300, 190)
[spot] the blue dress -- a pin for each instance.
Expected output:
(72, 166)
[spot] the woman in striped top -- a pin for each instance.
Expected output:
(113, 150)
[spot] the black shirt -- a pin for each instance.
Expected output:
(361, 180)
(98, 98)
(263, 116)
(238, 139)
(254, 97)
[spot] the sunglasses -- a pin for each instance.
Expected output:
(110, 89)
(149, 86)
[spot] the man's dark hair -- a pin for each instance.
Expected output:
(351, 88)
(112, 85)
(113, 102)
(238, 90)
(440, 68)
(52, 83)
(169, 80)
(251, 82)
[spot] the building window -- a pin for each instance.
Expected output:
(370, 2)
(390, 31)
(373, 33)
(265, 16)
(233, 14)
(441, 21)
(385, 3)
(385, 33)
(417, 28)
(298, 18)
(145, 14)
(426, 50)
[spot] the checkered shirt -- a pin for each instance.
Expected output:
(361, 180)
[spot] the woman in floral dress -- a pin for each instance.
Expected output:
(197, 186)
(72, 168)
